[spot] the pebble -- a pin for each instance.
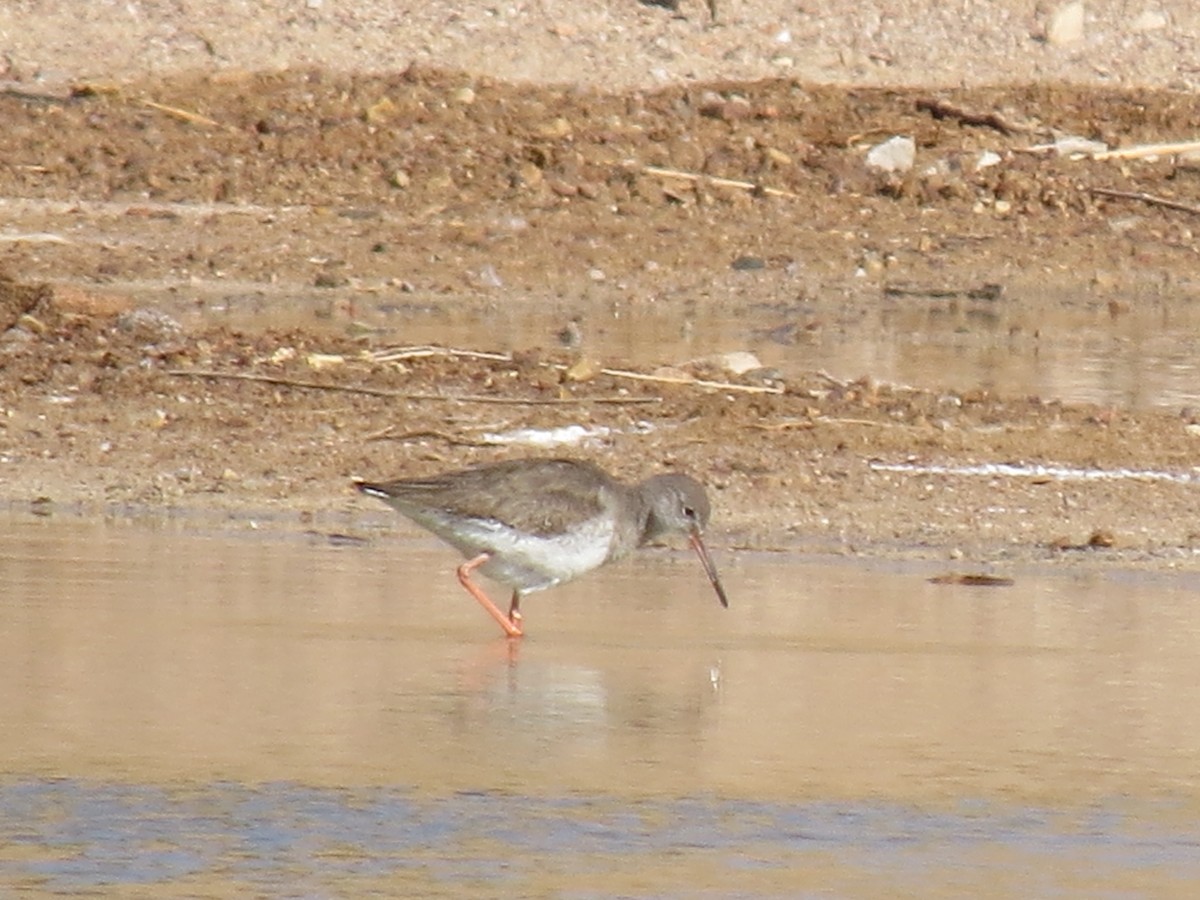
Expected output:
(149, 324)
(1073, 144)
(748, 264)
(1149, 20)
(584, 369)
(987, 159)
(736, 362)
(778, 157)
(1065, 25)
(489, 277)
(555, 129)
(383, 111)
(319, 361)
(896, 154)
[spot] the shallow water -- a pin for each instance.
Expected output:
(222, 712)
(1058, 346)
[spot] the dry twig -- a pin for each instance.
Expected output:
(402, 395)
(421, 351)
(720, 182)
(385, 434)
(1141, 151)
(1151, 199)
(400, 353)
(185, 115)
(944, 109)
(696, 382)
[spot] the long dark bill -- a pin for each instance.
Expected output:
(709, 569)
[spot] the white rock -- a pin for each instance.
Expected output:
(1073, 145)
(986, 160)
(319, 361)
(489, 277)
(736, 362)
(1065, 25)
(1149, 20)
(896, 154)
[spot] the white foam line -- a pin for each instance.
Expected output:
(1057, 473)
(567, 435)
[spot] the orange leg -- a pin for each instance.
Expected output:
(510, 623)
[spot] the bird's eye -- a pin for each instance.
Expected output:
(689, 512)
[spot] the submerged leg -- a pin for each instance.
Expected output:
(511, 626)
(514, 609)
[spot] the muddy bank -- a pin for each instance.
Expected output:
(282, 226)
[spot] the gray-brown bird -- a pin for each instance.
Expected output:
(533, 523)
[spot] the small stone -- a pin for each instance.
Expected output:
(1149, 20)
(736, 109)
(711, 104)
(555, 129)
(1065, 25)
(319, 361)
(584, 369)
(149, 324)
(489, 277)
(401, 179)
(1075, 145)
(986, 160)
(382, 111)
(748, 264)
(778, 157)
(736, 362)
(530, 174)
(896, 154)
(464, 96)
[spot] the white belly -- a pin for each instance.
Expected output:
(533, 563)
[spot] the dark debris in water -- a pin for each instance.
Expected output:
(972, 579)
